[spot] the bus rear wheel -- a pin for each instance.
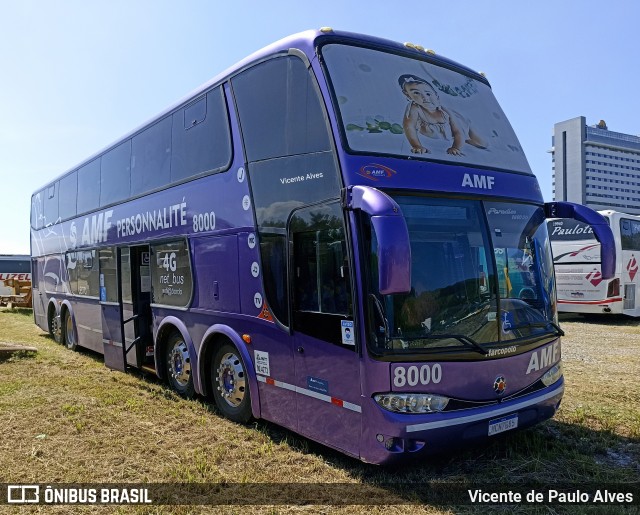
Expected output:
(70, 339)
(178, 366)
(230, 384)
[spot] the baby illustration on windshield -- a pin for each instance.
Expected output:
(426, 115)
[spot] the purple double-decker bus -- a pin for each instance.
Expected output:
(340, 234)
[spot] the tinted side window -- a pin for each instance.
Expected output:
(321, 286)
(37, 210)
(35, 275)
(273, 247)
(51, 274)
(125, 269)
(200, 137)
(283, 184)
(171, 279)
(82, 268)
(68, 193)
(279, 109)
(151, 158)
(89, 186)
(40, 274)
(15, 266)
(630, 234)
(320, 264)
(71, 263)
(115, 174)
(51, 204)
(108, 274)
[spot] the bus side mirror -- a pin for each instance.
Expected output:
(601, 230)
(390, 227)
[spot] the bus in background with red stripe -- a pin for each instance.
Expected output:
(340, 234)
(581, 288)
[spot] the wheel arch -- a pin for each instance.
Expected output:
(167, 327)
(213, 338)
(53, 312)
(53, 305)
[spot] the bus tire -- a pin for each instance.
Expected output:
(70, 337)
(55, 331)
(178, 366)
(230, 384)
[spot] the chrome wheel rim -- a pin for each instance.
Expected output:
(231, 379)
(70, 335)
(180, 364)
(56, 329)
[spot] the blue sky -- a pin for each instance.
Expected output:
(76, 75)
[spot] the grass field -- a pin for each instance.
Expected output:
(66, 418)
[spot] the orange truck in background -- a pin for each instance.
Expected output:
(15, 281)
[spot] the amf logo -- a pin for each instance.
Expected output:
(375, 172)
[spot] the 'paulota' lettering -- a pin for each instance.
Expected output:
(575, 230)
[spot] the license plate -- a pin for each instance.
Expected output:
(500, 425)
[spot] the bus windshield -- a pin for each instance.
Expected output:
(395, 105)
(481, 275)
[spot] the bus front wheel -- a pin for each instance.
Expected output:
(230, 384)
(178, 366)
(55, 331)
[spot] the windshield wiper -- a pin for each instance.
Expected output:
(544, 325)
(465, 340)
(380, 310)
(559, 332)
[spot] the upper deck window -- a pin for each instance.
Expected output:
(115, 174)
(200, 137)
(392, 104)
(280, 112)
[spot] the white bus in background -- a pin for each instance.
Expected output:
(576, 257)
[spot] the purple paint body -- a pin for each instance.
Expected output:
(381, 284)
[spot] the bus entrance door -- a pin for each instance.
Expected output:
(126, 310)
(326, 362)
(136, 305)
(327, 373)
(111, 308)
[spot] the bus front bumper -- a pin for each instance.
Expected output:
(391, 437)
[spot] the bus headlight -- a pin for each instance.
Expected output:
(552, 375)
(411, 402)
